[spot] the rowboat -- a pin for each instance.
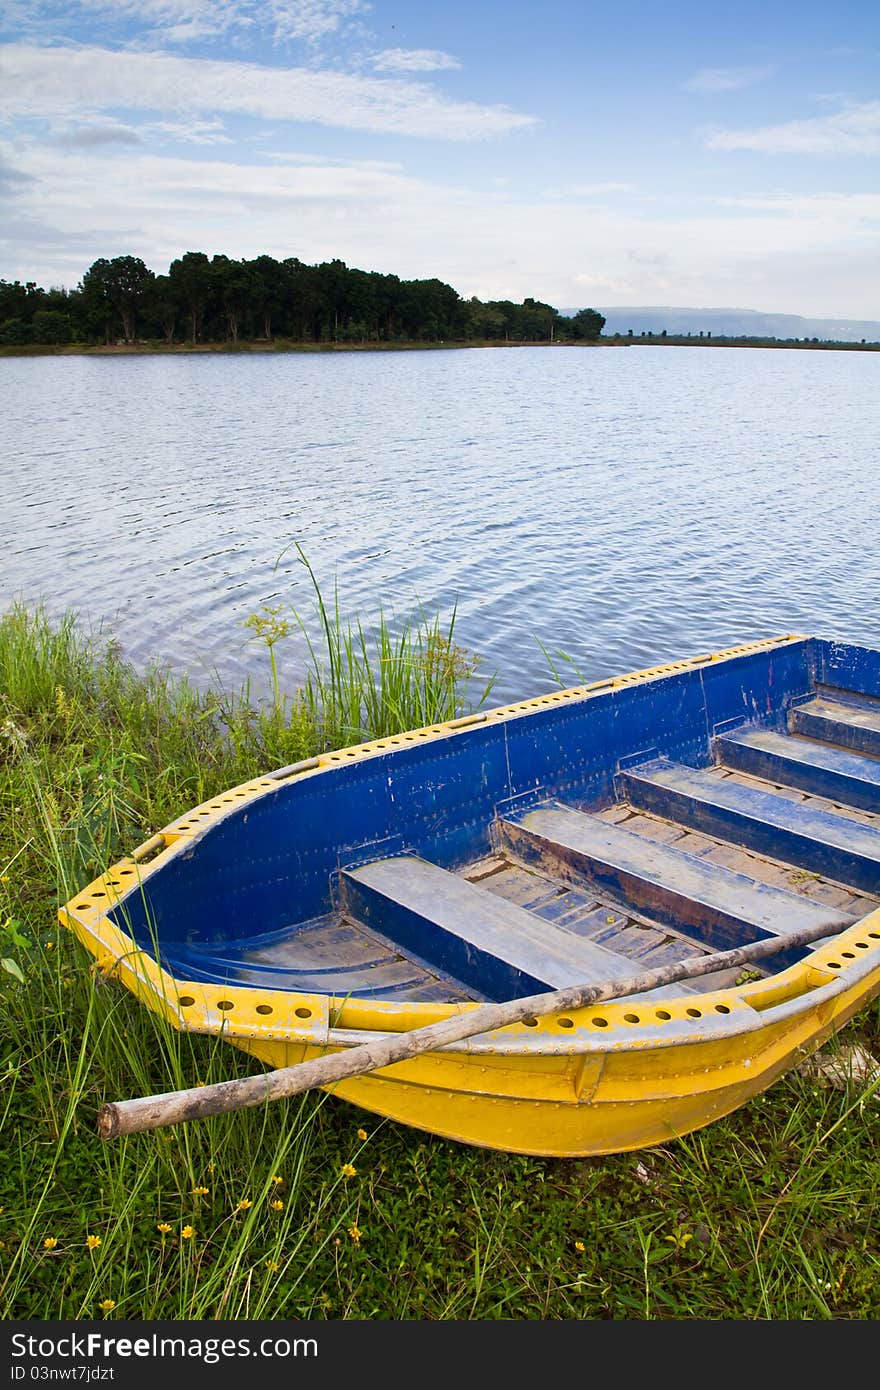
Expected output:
(637, 828)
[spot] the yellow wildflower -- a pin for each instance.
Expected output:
(93, 1242)
(200, 1191)
(244, 1204)
(579, 1246)
(107, 1305)
(355, 1234)
(163, 1227)
(50, 1242)
(348, 1170)
(362, 1134)
(680, 1238)
(188, 1232)
(277, 1205)
(278, 1180)
(272, 1266)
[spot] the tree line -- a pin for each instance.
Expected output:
(218, 299)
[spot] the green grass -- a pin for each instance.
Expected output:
(363, 683)
(771, 1213)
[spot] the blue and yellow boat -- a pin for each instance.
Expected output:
(618, 828)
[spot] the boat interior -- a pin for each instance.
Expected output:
(771, 825)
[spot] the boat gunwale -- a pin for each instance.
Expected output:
(193, 822)
(732, 1011)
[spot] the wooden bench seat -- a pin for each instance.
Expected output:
(482, 940)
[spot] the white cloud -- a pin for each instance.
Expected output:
(189, 132)
(311, 20)
(726, 79)
(809, 255)
(47, 82)
(96, 132)
(413, 60)
(855, 207)
(184, 21)
(589, 190)
(11, 174)
(854, 130)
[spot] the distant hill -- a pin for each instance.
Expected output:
(731, 323)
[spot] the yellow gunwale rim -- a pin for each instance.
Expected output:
(241, 1013)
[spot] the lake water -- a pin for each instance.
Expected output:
(623, 506)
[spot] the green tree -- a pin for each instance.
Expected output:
(163, 306)
(121, 285)
(14, 332)
(192, 284)
(223, 297)
(586, 324)
(334, 306)
(431, 310)
(52, 326)
(15, 300)
(267, 280)
(234, 291)
(299, 299)
(388, 293)
(536, 321)
(484, 320)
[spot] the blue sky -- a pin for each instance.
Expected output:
(589, 153)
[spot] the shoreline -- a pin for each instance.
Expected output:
(261, 345)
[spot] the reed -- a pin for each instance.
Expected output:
(365, 682)
(311, 1208)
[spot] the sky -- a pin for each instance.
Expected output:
(584, 152)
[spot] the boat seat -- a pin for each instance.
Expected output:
(704, 900)
(482, 940)
(796, 832)
(820, 769)
(852, 722)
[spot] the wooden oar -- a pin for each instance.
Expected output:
(152, 1112)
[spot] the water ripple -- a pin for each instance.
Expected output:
(618, 507)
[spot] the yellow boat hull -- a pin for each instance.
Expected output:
(622, 1098)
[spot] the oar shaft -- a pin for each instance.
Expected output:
(118, 1118)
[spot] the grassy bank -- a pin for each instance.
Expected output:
(263, 345)
(281, 345)
(315, 1209)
